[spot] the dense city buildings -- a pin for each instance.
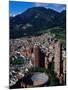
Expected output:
(40, 53)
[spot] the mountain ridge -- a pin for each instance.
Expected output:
(35, 19)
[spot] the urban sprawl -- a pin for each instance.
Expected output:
(32, 59)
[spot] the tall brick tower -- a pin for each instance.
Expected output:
(57, 58)
(36, 55)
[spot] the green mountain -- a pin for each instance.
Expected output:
(35, 21)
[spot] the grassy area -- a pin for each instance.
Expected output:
(17, 61)
(60, 33)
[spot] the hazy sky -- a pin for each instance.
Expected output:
(16, 7)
